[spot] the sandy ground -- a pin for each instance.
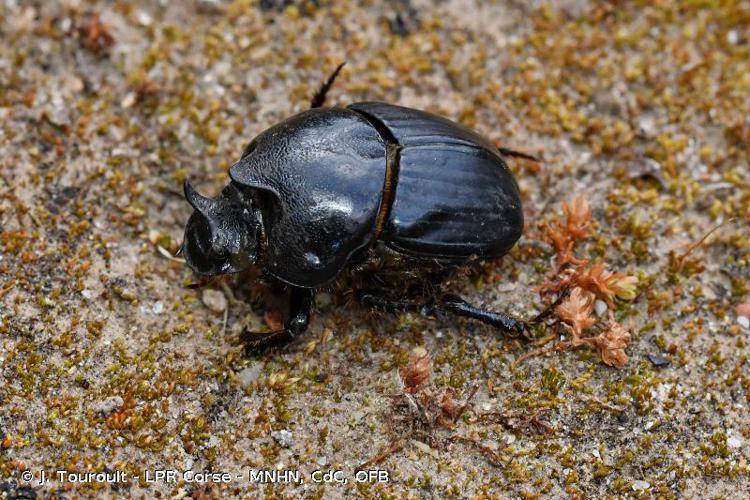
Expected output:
(109, 363)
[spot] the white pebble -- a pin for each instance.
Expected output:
(250, 374)
(144, 18)
(734, 442)
(283, 437)
(214, 300)
(641, 485)
(157, 308)
(744, 321)
(600, 307)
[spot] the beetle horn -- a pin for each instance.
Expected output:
(201, 203)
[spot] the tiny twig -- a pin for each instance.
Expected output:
(224, 322)
(395, 446)
(603, 404)
(466, 404)
(698, 243)
(520, 420)
(488, 452)
(167, 255)
(558, 347)
(7, 287)
(550, 308)
(228, 292)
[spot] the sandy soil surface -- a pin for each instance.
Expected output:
(109, 363)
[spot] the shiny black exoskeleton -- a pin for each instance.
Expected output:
(328, 188)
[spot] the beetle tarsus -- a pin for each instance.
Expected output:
(300, 304)
(458, 306)
(518, 154)
(320, 96)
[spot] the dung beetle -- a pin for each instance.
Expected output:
(391, 199)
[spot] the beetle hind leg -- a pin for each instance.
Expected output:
(300, 304)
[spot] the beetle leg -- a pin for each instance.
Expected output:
(320, 96)
(458, 306)
(300, 303)
(452, 304)
(389, 305)
(517, 154)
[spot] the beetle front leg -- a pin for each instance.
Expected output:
(300, 304)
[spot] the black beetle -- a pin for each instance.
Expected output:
(394, 197)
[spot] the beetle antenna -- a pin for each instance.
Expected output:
(320, 96)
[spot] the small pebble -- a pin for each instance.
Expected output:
(600, 307)
(658, 360)
(322, 461)
(128, 100)
(109, 405)
(641, 485)
(144, 18)
(157, 308)
(214, 300)
(250, 374)
(419, 351)
(208, 6)
(734, 442)
(283, 437)
(744, 321)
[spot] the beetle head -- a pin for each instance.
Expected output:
(221, 236)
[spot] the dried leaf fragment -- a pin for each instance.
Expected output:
(611, 345)
(576, 312)
(416, 373)
(578, 215)
(607, 286)
(564, 236)
(95, 36)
